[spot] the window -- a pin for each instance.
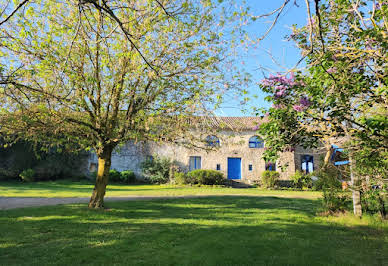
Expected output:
(93, 167)
(218, 167)
(270, 166)
(250, 167)
(307, 165)
(256, 142)
(212, 141)
(195, 163)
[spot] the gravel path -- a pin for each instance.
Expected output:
(23, 202)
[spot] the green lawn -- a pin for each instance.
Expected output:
(84, 189)
(221, 230)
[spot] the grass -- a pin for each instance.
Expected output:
(218, 230)
(67, 188)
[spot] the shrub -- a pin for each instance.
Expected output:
(335, 200)
(49, 164)
(28, 175)
(114, 175)
(127, 176)
(256, 182)
(156, 170)
(180, 178)
(205, 177)
(372, 199)
(93, 175)
(8, 174)
(269, 178)
(301, 180)
(327, 178)
(285, 183)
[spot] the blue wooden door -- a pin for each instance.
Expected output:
(234, 168)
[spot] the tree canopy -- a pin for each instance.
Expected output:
(100, 73)
(341, 97)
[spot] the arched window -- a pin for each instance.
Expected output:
(212, 141)
(256, 142)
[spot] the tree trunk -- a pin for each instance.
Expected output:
(382, 211)
(327, 159)
(104, 162)
(356, 194)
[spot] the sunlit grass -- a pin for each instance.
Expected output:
(199, 231)
(84, 189)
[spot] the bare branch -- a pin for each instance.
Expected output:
(14, 12)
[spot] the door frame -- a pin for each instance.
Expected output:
(228, 168)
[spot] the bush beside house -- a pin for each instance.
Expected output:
(301, 180)
(126, 177)
(156, 169)
(269, 179)
(205, 177)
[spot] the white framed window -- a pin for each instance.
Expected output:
(307, 165)
(195, 163)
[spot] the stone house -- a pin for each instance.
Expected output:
(231, 147)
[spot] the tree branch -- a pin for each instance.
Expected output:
(14, 12)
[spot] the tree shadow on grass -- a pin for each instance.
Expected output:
(197, 231)
(79, 187)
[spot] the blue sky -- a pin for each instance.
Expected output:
(255, 59)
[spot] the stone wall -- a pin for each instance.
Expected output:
(232, 144)
(318, 155)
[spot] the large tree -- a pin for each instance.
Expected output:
(100, 73)
(343, 94)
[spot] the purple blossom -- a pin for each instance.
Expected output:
(369, 43)
(305, 102)
(298, 108)
(279, 94)
(289, 149)
(278, 106)
(293, 36)
(332, 70)
(255, 127)
(311, 21)
(267, 83)
(378, 5)
(280, 91)
(280, 82)
(280, 88)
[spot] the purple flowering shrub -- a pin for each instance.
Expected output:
(284, 92)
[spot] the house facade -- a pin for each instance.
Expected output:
(231, 147)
